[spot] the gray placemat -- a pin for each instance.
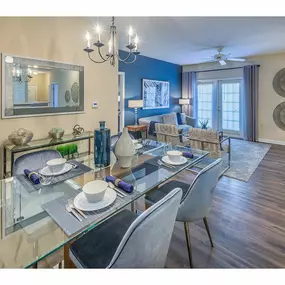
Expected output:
(30, 187)
(70, 225)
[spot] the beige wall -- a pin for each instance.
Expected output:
(268, 98)
(61, 39)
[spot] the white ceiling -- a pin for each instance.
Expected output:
(190, 40)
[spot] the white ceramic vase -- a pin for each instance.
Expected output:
(125, 149)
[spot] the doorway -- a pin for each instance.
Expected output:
(121, 101)
(219, 102)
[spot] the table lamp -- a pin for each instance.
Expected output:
(184, 102)
(135, 104)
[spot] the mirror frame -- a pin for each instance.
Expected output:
(3, 95)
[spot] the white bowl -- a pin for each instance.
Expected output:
(135, 142)
(95, 190)
(174, 155)
(56, 165)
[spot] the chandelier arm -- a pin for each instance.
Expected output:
(108, 56)
(129, 62)
(120, 59)
(95, 60)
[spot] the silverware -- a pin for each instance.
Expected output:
(70, 210)
(73, 164)
(111, 185)
(164, 164)
(71, 204)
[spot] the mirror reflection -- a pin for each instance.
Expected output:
(34, 87)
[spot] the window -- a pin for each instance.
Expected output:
(205, 102)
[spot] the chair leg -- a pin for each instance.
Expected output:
(187, 234)
(208, 231)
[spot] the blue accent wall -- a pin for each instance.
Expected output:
(149, 68)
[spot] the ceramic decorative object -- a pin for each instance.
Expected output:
(125, 149)
(77, 130)
(279, 82)
(67, 96)
(56, 133)
(75, 92)
(20, 137)
(102, 145)
(279, 116)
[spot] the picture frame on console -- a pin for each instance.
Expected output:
(155, 94)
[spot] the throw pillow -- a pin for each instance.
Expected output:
(183, 117)
(169, 119)
(179, 118)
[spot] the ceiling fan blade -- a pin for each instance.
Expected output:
(207, 60)
(222, 62)
(236, 59)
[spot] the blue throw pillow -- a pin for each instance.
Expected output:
(179, 119)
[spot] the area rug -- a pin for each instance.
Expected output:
(245, 158)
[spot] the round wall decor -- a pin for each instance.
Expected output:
(67, 96)
(279, 116)
(75, 92)
(279, 82)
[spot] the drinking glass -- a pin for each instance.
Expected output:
(45, 179)
(99, 172)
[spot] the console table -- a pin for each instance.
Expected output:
(41, 143)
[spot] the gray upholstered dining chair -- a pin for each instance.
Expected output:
(130, 241)
(196, 201)
(34, 160)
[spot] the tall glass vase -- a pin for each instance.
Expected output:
(102, 145)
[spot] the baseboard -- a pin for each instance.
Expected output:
(272, 141)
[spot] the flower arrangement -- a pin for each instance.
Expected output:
(204, 124)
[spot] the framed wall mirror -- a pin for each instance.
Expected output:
(35, 87)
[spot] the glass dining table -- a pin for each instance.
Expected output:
(29, 233)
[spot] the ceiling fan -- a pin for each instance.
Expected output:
(222, 58)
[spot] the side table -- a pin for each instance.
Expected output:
(141, 129)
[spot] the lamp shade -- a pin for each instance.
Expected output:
(184, 101)
(135, 103)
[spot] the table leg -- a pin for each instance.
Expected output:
(89, 146)
(67, 261)
(5, 162)
(12, 163)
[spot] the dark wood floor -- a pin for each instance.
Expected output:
(247, 222)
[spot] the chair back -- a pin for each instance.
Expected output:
(146, 242)
(207, 140)
(168, 133)
(34, 160)
(197, 201)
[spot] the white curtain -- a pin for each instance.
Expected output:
(189, 91)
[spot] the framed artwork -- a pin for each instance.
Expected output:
(155, 94)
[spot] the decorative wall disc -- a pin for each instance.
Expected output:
(67, 96)
(279, 116)
(75, 92)
(279, 82)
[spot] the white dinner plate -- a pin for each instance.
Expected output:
(138, 146)
(166, 160)
(46, 171)
(80, 202)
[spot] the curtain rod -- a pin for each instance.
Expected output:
(258, 65)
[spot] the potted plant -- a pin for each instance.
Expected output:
(204, 124)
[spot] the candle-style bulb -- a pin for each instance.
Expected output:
(131, 31)
(88, 39)
(98, 31)
(136, 40)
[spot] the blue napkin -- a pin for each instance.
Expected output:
(187, 154)
(32, 176)
(120, 183)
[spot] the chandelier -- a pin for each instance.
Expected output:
(112, 53)
(19, 75)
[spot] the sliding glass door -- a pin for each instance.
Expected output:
(219, 102)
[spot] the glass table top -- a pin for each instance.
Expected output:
(29, 234)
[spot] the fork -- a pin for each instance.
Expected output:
(71, 204)
(70, 210)
(164, 164)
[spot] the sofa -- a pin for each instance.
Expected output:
(184, 123)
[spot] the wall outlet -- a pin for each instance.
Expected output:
(94, 105)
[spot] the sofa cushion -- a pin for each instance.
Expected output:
(170, 119)
(183, 118)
